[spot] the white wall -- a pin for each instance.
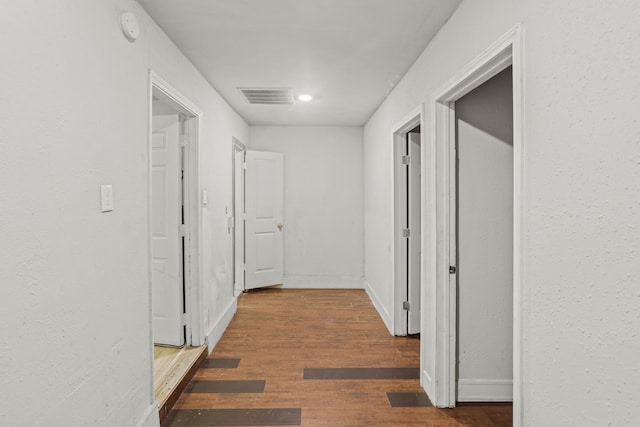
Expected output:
(323, 239)
(74, 304)
(581, 209)
(485, 241)
(219, 125)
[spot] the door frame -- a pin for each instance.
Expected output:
(508, 50)
(193, 217)
(399, 261)
(237, 214)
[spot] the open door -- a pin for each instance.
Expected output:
(414, 238)
(166, 225)
(407, 229)
(263, 219)
(238, 211)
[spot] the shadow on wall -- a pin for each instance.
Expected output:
(489, 108)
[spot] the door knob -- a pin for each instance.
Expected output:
(280, 227)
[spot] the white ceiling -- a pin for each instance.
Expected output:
(348, 54)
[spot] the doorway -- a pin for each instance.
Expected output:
(264, 219)
(407, 186)
(483, 234)
(257, 218)
(442, 282)
(174, 220)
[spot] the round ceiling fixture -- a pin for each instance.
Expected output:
(305, 97)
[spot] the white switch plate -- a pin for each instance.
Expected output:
(106, 198)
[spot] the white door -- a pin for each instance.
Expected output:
(166, 239)
(238, 209)
(263, 223)
(413, 208)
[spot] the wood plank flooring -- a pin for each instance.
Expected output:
(326, 359)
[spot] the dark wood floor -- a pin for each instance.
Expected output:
(315, 358)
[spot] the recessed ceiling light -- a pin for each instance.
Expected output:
(305, 97)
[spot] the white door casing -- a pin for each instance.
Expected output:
(414, 219)
(453, 257)
(264, 228)
(166, 241)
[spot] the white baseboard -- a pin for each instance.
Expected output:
(428, 386)
(485, 390)
(384, 315)
(322, 282)
(151, 417)
(219, 326)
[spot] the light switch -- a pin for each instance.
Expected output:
(106, 198)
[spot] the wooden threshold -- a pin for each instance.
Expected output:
(173, 368)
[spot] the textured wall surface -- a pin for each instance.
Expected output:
(74, 301)
(581, 202)
(323, 240)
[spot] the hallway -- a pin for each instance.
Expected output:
(315, 358)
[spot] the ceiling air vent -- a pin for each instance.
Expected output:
(267, 96)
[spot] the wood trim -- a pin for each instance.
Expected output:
(165, 407)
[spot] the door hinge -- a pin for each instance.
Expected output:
(182, 230)
(184, 140)
(184, 319)
(406, 160)
(244, 165)
(406, 305)
(452, 269)
(406, 232)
